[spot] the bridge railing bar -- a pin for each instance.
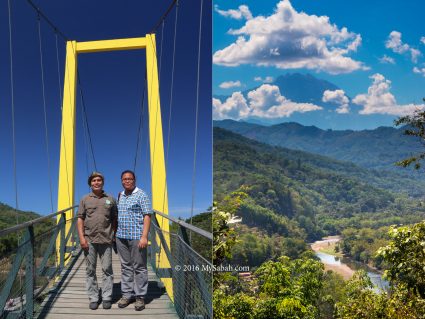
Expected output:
(191, 272)
(40, 275)
(13, 229)
(185, 225)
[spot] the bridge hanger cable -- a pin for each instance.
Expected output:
(196, 116)
(13, 135)
(86, 119)
(15, 180)
(86, 143)
(140, 123)
(171, 95)
(46, 132)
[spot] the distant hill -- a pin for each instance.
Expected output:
(377, 149)
(9, 216)
(319, 193)
(306, 88)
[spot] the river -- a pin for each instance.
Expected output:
(345, 266)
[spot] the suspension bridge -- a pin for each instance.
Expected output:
(43, 275)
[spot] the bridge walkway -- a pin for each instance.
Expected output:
(69, 300)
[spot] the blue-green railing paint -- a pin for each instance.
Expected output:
(25, 251)
(180, 253)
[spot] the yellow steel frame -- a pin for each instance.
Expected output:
(67, 153)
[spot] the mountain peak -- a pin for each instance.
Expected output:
(303, 87)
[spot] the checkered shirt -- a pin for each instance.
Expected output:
(131, 209)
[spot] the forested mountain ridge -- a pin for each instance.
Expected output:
(380, 148)
(319, 194)
(9, 216)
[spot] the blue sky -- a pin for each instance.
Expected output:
(112, 85)
(373, 51)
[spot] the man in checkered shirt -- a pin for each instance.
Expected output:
(134, 218)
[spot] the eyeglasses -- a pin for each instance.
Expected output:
(127, 179)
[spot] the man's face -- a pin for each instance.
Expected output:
(128, 181)
(96, 184)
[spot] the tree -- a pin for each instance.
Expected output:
(405, 257)
(415, 127)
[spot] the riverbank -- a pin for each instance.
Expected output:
(327, 245)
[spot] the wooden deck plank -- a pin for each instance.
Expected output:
(71, 300)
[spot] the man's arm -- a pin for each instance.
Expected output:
(83, 242)
(143, 243)
(115, 217)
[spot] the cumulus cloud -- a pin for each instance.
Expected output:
(379, 100)
(386, 59)
(235, 107)
(337, 97)
(264, 102)
(395, 43)
(230, 84)
(288, 39)
(241, 13)
(423, 40)
(419, 70)
(267, 79)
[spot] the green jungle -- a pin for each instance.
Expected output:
(288, 199)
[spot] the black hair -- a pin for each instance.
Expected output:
(128, 171)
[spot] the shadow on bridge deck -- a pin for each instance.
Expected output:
(70, 300)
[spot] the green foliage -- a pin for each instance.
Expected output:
(405, 257)
(224, 236)
(286, 289)
(10, 217)
(376, 149)
(362, 244)
(254, 247)
(361, 301)
(415, 127)
(285, 195)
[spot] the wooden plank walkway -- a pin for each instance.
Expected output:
(70, 300)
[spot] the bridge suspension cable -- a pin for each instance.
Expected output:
(196, 115)
(139, 130)
(46, 132)
(83, 104)
(12, 94)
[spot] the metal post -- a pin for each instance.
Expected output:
(62, 242)
(29, 272)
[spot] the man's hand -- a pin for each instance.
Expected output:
(84, 245)
(143, 242)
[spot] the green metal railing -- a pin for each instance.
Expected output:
(191, 271)
(29, 270)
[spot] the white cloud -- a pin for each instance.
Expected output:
(267, 102)
(230, 84)
(264, 102)
(235, 107)
(337, 97)
(422, 40)
(386, 59)
(267, 79)
(395, 43)
(379, 100)
(419, 70)
(239, 14)
(288, 39)
(415, 54)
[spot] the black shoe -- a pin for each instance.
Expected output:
(139, 304)
(94, 305)
(106, 305)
